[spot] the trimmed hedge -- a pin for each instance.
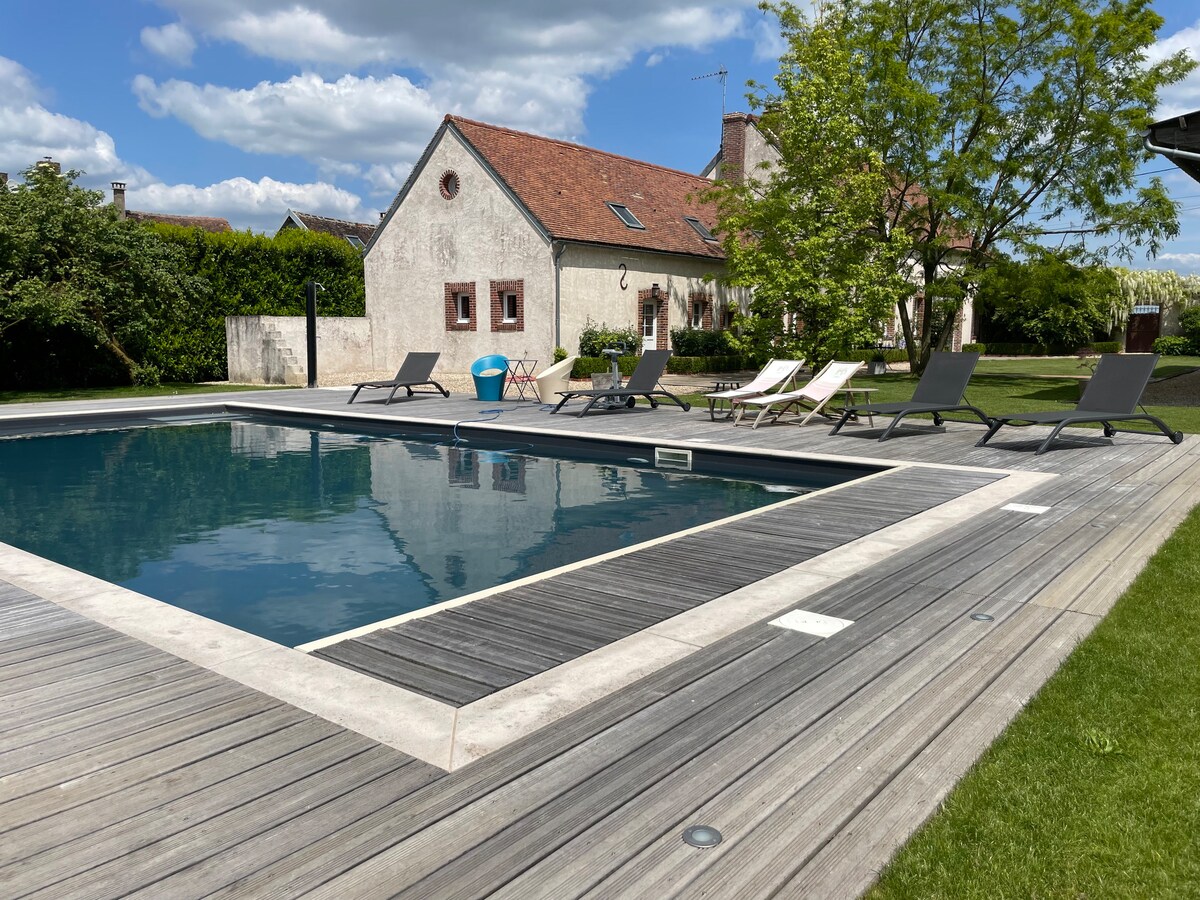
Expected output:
(892, 356)
(699, 342)
(981, 349)
(1105, 346)
(586, 366)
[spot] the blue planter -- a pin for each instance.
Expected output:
(489, 387)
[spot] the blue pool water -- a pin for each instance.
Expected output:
(296, 533)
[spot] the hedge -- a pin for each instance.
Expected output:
(892, 356)
(250, 275)
(1038, 349)
(1173, 345)
(586, 366)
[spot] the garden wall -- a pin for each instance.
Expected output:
(273, 349)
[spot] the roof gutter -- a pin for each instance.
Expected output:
(1168, 151)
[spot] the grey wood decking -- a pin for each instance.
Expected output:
(460, 655)
(126, 771)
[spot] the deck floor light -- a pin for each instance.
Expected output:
(701, 836)
(982, 617)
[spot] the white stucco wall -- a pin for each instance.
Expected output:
(273, 349)
(592, 278)
(479, 236)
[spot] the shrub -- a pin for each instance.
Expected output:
(981, 349)
(699, 365)
(1189, 324)
(595, 338)
(892, 356)
(1105, 346)
(698, 342)
(560, 353)
(995, 349)
(1172, 345)
(586, 366)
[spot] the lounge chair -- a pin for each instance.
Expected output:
(776, 372)
(415, 371)
(1112, 394)
(940, 390)
(642, 383)
(810, 399)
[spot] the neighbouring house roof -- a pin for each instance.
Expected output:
(205, 223)
(357, 233)
(566, 188)
(1178, 139)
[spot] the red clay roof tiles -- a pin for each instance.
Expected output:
(566, 187)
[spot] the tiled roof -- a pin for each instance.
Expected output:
(206, 223)
(338, 227)
(566, 187)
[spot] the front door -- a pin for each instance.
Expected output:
(1143, 328)
(650, 325)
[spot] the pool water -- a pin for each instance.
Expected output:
(297, 533)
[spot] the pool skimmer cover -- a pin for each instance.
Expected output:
(811, 623)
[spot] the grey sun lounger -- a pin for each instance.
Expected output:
(940, 390)
(415, 371)
(1112, 395)
(642, 383)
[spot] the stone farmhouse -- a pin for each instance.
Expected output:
(507, 242)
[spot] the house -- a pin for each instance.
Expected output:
(204, 223)
(357, 234)
(507, 242)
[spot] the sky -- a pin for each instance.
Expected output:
(244, 108)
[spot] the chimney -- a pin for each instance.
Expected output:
(118, 189)
(381, 215)
(733, 147)
(51, 164)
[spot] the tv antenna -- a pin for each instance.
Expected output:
(723, 74)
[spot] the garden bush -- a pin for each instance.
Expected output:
(1173, 345)
(699, 342)
(587, 366)
(1189, 324)
(1105, 346)
(699, 365)
(595, 338)
(981, 349)
(892, 356)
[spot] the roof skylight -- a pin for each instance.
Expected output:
(623, 213)
(700, 227)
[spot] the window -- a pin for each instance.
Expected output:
(354, 241)
(697, 314)
(700, 228)
(448, 184)
(510, 307)
(464, 307)
(625, 215)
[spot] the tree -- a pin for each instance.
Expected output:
(803, 232)
(1050, 301)
(68, 260)
(1008, 125)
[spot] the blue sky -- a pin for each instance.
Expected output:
(242, 108)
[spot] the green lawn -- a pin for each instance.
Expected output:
(120, 393)
(1036, 365)
(1094, 790)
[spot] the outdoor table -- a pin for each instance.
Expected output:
(725, 404)
(521, 379)
(849, 390)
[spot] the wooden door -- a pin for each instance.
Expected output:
(1143, 328)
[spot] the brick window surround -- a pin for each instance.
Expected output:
(661, 326)
(706, 313)
(453, 289)
(497, 291)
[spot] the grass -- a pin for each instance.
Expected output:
(1092, 790)
(117, 393)
(1070, 366)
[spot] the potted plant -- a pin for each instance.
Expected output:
(877, 363)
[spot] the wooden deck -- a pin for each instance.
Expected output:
(124, 770)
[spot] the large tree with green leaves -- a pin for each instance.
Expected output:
(1007, 125)
(803, 232)
(69, 261)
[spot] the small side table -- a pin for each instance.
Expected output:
(849, 391)
(723, 404)
(521, 379)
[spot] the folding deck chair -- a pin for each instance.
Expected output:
(940, 390)
(415, 371)
(810, 399)
(642, 383)
(777, 372)
(1113, 393)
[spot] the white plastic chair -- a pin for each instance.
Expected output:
(555, 379)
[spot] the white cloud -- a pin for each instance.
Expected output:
(345, 121)
(1180, 97)
(654, 59)
(172, 42)
(250, 204)
(29, 131)
(1187, 263)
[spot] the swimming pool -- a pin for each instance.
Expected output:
(295, 531)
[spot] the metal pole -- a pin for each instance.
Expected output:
(310, 311)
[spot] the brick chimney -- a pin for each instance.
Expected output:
(118, 189)
(51, 164)
(733, 146)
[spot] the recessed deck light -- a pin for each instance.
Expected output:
(982, 617)
(701, 836)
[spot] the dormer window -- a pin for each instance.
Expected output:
(623, 213)
(700, 227)
(354, 241)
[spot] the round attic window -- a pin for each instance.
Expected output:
(449, 184)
